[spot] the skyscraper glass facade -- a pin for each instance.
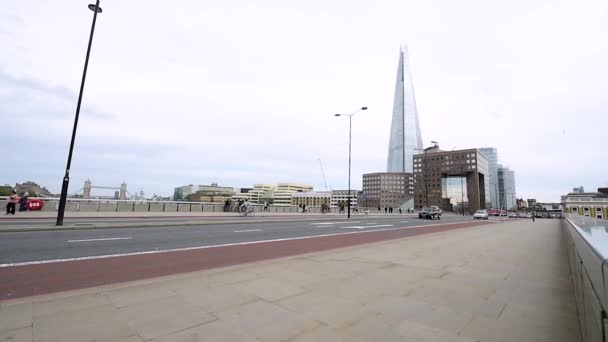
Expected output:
(506, 187)
(405, 136)
(492, 155)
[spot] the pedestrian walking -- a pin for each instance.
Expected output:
(400, 211)
(385, 210)
(23, 206)
(265, 205)
(12, 203)
(533, 216)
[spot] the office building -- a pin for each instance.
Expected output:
(340, 197)
(506, 188)
(387, 189)
(311, 198)
(435, 165)
(492, 155)
(284, 191)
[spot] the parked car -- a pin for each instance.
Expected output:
(512, 214)
(430, 213)
(522, 214)
(529, 215)
(480, 215)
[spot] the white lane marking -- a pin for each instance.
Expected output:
(215, 246)
(105, 239)
(363, 227)
(328, 223)
(405, 221)
(248, 230)
(371, 223)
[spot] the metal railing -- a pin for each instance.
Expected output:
(587, 240)
(111, 205)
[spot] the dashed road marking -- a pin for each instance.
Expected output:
(363, 227)
(248, 230)
(104, 239)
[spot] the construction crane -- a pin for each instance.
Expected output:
(323, 173)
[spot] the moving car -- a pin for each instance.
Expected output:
(430, 213)
(522, 214)
(480, 215)
(512, 214)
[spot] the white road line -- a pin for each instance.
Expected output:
(363, 227)
(105, 239)
(405, 221)
(329, 223)
(215, 246)
(371, 223)
(248, 230)
(380, 225)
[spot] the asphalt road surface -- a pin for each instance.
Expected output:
(44, 246)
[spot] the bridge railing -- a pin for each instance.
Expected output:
(587, 240)
(111, 205)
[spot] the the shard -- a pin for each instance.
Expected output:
(405, 139)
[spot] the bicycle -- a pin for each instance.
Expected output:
(246, 211)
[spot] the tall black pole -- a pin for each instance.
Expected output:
(350, 117)
(66, 178)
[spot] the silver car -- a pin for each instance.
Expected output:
(480, 215)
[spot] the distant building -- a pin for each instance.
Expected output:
(531, 202)
(434, 165)
(492, 155)
(202, 191)
(591, 204)
(521, 204)
(506, 187)
(339, 197)
(261, 193)
(32, 188)
(405, 137)
(387, 189)
(578, 190)
(311, 198)
(284, 192)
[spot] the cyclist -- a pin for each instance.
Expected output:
(246, 208)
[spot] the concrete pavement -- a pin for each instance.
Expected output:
(500, 282)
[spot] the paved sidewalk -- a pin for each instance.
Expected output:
(500, 282)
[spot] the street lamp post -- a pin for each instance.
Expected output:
(66, 179)
(350, 116)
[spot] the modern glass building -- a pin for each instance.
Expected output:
(405, 136)
(506, 188)
(492, 155)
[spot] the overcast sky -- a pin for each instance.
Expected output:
(242, 92)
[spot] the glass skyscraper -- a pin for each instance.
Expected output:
(492, 154)
(506, 187)
(405, 136)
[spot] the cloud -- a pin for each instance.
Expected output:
(244, 93)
